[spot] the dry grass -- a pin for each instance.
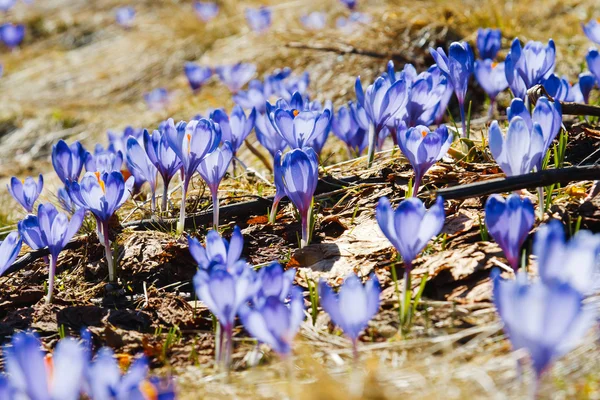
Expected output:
(79, 75)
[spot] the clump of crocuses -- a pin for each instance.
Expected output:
(353, 306)
(52, 229)
(409, 228)
(27, 191)
(509, 221)
(102, 195)
(197, 75)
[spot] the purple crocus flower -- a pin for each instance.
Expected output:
(492, 78)
(191, 142)
(521, 149)
(9, 250)
(300, 174)
(258, 19)
(34, 376)
(546, 113)
(275, 321)
(12, 35)
(592, 30)
(157, 99)
(68, 160)
(268, 136)
(410, 227)
(274, 282)
(107, 382)
(457, 67)
(585, 85)
(164, 159)
(381, 101)
(235, 128)
(351, 4)
(573, 262)
(509, 221)
(426, 95)
(65, 200)
(125, 16)
(423, 148)
(346, 128)
(6, 5)
(117, 141)
(197, 75)
(26, 192)
(212, 169)
(593, 62)
(300, 128)
(218, 251)
(51, 229)
(102, 195)
(104, 160)
(255, 97)
(236, 76)
(206, 10)
(353, 306)
(527, 66)
(315, 21)
(559, 89)
(547, 320)
(138, 160)
(224, 290)
(489, 41)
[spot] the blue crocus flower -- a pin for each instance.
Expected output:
(426, 95)
(381, 101)
(546, 320)
(102, 195)
(218, 250)
(351, 4)
(300, 175)
(315, 21)
(573, 262)
(236, 76)
(191, 142)
(138, 161)
(346, 128)
(164, 159)
(521, 149)
(585, 85)
(27, 191)
(12, 35)
(268, 136)
(9, 250)
(353, 306)
(104, 160)
(68, 160)
(489, 41)
(225, 290)
(34, 376)
(423, 148)
(509, 221)
(197, 75)
(528, 66)
(206, 10)
(275, 321)
(410, 227)
(51, 229)
(117, 141)
(593, 62)
(253, 98)
(258, 19)
(212, 169)
(274, 282)
(106, 380)
(279, 187)
(236, 127)
(300, 128)
(458, 67)
(492, 78)
(157, 99)
(65, 201)
(560, 89)
(125, 16)
(592, 30)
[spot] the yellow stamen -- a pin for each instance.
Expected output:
(423, 133)
(295, 112)
(148, 390)
(23, 181)
(49, 366)
(494, 65)
(100, 181)
(124, 360)
(188, 136)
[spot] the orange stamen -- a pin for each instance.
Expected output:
(148, 390)
(49, 364)
(295, 112)
(494, 65)
(189, 140)
(423, 133)
(124, 360)
(100, 181)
